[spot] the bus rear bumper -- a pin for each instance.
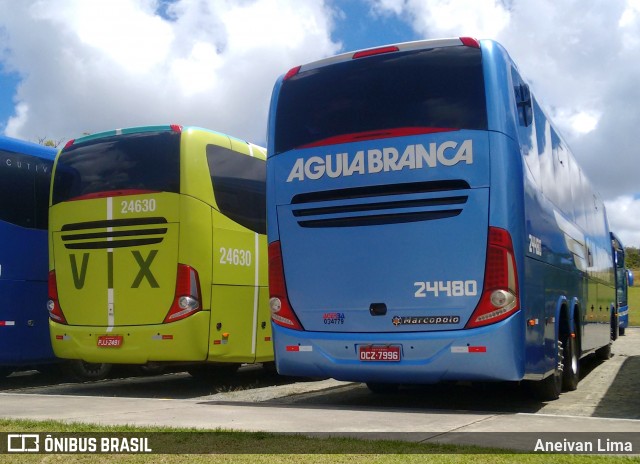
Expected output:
(184, 340)
(492, 353)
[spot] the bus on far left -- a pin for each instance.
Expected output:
(25, 177)
(25, 174)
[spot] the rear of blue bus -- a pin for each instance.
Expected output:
(391, 255)
(25, 175)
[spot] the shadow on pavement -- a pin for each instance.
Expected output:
(622, 399)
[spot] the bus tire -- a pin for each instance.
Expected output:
(549, 388)
(83, 371)
(571, 364)
(382, 388)
(621, 331)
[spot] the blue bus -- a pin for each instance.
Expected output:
(25, 174)
(427, 223)
(624, 278)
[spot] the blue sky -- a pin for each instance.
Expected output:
(68, 67)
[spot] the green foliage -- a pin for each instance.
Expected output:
(634, 305)
(632, 257)
(49, 142)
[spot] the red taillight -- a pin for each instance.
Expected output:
(69, 143)
(176, 127)
(53, 305)
(375, 51)
(281, 312)
(292, 72)
(187, 299)
(500, 293)
(470, 42)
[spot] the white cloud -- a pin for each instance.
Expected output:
(447, 18)
(624, 218)
(98, 65)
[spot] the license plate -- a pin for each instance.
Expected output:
(379, 353)
(110, 341)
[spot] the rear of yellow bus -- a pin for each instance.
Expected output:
(125, 271)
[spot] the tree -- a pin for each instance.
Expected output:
(632, 257)
(49, 142)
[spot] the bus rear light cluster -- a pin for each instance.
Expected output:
(500, 294)
(53, 304)
(187, 299)
(281, 311)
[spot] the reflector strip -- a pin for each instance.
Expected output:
(267, 339)
(162, 337)
(5, 323)
(63, 337)
(468, 349)
(299, 348)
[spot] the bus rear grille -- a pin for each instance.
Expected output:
(385, 204)
(119, 233)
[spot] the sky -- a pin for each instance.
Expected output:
(70, 67)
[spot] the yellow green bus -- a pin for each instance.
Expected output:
(157, 249)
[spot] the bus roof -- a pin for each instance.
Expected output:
(404, 46)
(140, 129)
(28, 148)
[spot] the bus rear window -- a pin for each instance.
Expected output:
(431, 88)
(26, 178)
(148, 161)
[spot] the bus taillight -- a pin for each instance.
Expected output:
(281, 312)
(53, 305)
(500, 294)
(470, 42)
(187, 300)
(375, 51)
(292, 72)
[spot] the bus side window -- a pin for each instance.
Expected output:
(17, 196)
(523, 100)
(239, 186)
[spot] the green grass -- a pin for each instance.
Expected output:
(227, 446)
(634, 300)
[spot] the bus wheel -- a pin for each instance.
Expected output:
(382, 388)
(5, 372)
(549, 388)
(81, 370)
(571, 364)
